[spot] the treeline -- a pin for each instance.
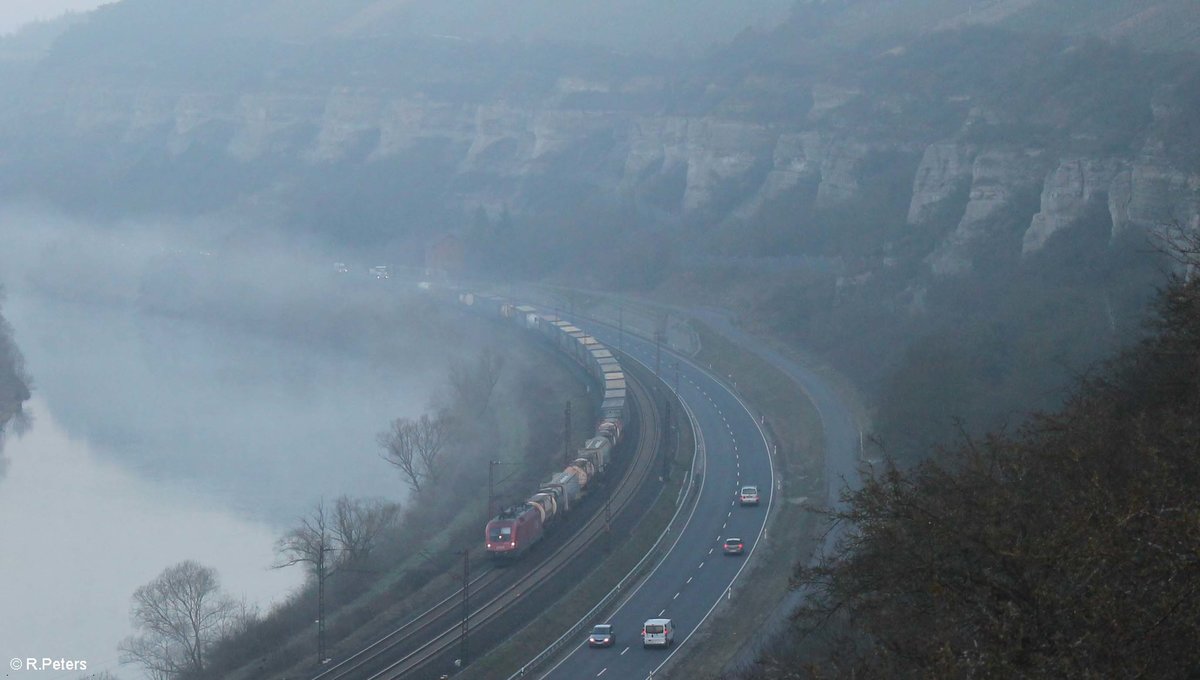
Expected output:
(14, 385)
(1068, 548)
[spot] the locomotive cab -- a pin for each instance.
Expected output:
(513, 531)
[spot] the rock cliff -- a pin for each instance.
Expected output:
(715, 147)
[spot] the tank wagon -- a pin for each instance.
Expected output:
(520, 526)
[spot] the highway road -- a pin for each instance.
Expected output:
(842, 435)
(843, 441)
(695, 575)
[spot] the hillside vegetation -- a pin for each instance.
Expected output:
(14, 387)
(1068, 548)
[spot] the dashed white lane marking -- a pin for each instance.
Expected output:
(662, 612)
(624, 650)
(728, 514)
(702, 564)
(725, 525)
(601, 672)
(711, 549)
(688, 581)
(676, 596)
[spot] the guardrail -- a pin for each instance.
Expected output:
(635, 574)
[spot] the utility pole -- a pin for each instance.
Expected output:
(567, 434)
(608, 516)
(466, 625)
(322, 574)
(321, 609)
(620, 328)
(491, 486)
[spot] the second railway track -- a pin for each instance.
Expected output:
(434, 634)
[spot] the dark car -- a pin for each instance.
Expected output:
(734, 546)
(602, 636)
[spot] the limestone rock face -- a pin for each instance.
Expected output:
(945, 167)
(795, 161)
(841, 167)
(1146, 194)
(722, 153)
(1069, 190)
(269, 124)
(656, 146)
(709, 165)
(998, 178)
(1160, 195)
(349, 115)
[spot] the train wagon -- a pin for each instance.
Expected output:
(518, 527)
(613, 408)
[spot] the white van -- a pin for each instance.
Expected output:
(658, 633)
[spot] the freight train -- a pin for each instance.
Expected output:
(518, 527)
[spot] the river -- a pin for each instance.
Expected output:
(164, 437)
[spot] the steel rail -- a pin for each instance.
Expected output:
(650, 437)
(409, 633)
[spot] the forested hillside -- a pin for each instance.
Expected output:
(1065, 549)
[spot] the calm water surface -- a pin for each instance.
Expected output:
(157, 440)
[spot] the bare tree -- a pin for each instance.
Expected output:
(473, 385)
(311, 544)
(400, 450)
(429, 438)
(414, 446)
(357, 525)
(179, 616)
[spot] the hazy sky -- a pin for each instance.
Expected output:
(16, 13)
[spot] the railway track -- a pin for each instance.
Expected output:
(437, 632)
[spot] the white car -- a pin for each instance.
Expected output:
(658, 633)
(748, 495)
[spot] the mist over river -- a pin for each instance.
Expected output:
(161, 435)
